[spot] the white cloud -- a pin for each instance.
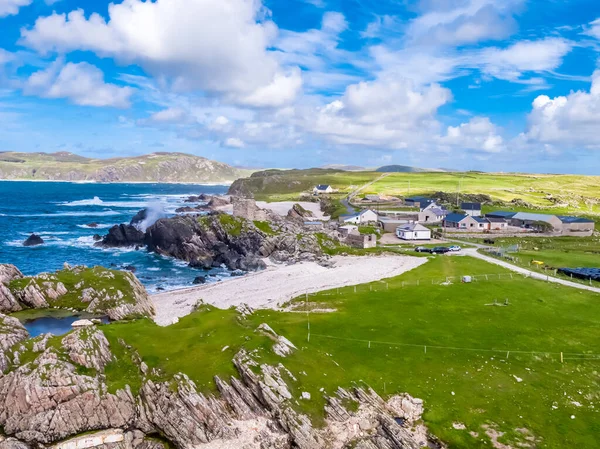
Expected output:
(478, 134)
(219, 47)
(82, 83)
(388, 112)
(568, 121)
(11, 7)
(593, 29)
(234, 142)
(524, 56)
(450, 23)
(170, 115)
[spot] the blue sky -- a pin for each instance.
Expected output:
(491, 85)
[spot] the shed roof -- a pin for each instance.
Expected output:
(455, 218)
(470, 206)
(323, 186)
(480, 220)
(567, 219)
(413, 227)
(528, 216)
(501, 214)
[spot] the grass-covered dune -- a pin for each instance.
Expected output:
(474, 363)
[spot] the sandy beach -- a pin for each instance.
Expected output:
(280, 283)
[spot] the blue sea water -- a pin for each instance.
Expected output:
(59, 212)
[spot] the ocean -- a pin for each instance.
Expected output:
(60, 213)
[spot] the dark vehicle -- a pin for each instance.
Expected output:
(422, 249)
(489, 241)
(440, 250)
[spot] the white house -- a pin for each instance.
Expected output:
(322, 188)
(365, 216)
(472, 209)
(413, 231)
(346, 230)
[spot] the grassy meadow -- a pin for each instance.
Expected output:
(483, 365)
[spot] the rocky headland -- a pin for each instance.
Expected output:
(239, 241)
(56, 392)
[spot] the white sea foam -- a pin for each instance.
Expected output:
(106, 213)
(99, 226)
(96, 201)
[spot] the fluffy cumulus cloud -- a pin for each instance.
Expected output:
(82, 84)
(10, 7)
(219, 47)
(479, 135)
(387, 112)
(567, 121)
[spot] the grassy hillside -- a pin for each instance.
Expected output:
(484, 365)
(560, 194)
(155, 167)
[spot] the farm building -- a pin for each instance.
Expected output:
(346, 230)
(497, 224)
(390, 224)
(365, 216)
(418, 201)
(531, 221)
(358, 240)
(322, 188)
(432, 214)
(460, 221)
(372, 198)
(472, 209)
(501, 214)
(413, 231)
(577, 225)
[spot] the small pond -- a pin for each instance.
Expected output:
(57, 325)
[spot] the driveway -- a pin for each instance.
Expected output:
(532, 274)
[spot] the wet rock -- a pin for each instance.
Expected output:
(33, 240)
(122, 236)
(199, 280)
(97, 237)
(92, 225)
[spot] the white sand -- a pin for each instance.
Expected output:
(283, 207)
(280, 283)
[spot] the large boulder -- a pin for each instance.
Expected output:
(122, 236)
(8, 301)
(33, 240)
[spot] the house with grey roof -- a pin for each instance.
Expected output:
(322, 188)
(472, 209)
(413, 231)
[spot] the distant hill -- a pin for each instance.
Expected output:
(344, 167)
(406, 169)
(155, 167)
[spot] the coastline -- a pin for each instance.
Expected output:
(280, 283)
(210, 184)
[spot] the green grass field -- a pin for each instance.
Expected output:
(557, 194)
(478, 367)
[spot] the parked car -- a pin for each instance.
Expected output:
(422, 249)
(455, 248)
(440, 250)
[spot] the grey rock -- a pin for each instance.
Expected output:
(33, 240)
(88, 347)
(11, 333)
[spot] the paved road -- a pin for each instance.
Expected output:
(532, 274)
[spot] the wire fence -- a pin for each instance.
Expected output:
(428, 348)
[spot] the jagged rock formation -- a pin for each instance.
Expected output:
(11, 333)
(33, 240)
(8, 302)
(297, 212)
(117, 294)
(122, 235)
(49, 399)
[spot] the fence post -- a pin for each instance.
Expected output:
(425, 349)
(561, 358)
(355, 289)
(369, 345)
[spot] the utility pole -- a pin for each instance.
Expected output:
(458, 195)
(409, 187)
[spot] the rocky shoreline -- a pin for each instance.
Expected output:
(238, 241)
(61, 393)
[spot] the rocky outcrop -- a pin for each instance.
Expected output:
(8, 302)
(117, 294)
(33, 240)
(88, 347)
(122, 235)
(11, 333)
(297, 212)
(47, 400)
